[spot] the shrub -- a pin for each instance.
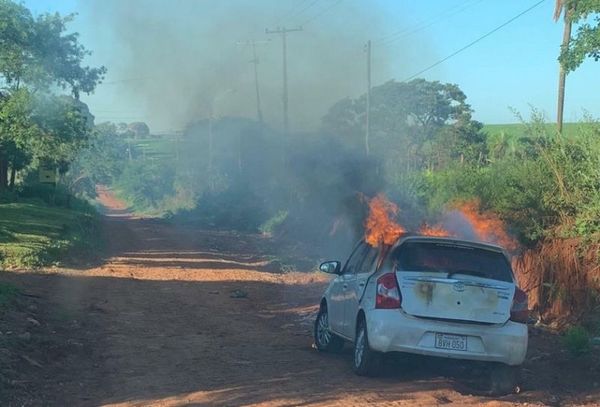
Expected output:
(577, 340)
(235, 209)
(146, 184)
(47, 193)
(269, 227)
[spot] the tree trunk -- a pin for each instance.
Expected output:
(562, 75)
(13, 174)
(3, 174)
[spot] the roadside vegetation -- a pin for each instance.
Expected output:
(423, 149)
(43, 128)
(425, 152)
(33, 233)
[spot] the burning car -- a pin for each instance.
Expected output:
(436, 296)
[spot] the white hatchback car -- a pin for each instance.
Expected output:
(429, 296)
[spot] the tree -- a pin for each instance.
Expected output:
(139, 129)
(586, 42)
(36, 58)
(574, 50)
(100, 162)
(503, 145)
(406, 118)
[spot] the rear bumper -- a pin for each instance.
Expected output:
(395, 331)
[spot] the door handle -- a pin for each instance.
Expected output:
(361, 284)
(345, 286)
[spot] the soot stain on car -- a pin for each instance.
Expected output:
(425, 291)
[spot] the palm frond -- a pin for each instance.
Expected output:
(558, 9)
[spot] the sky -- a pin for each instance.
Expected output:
(513, 69)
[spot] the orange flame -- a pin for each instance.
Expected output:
(487, 226)
(435, 230)
(380, 228)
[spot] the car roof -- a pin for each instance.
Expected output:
(452, 241)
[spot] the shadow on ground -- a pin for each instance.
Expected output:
(142, 341)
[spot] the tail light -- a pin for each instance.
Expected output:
(388, 293)
(519, 311)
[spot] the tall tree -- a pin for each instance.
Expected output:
(406, 118)
(575, 49)
(37, 57)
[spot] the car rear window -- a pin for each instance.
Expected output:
(450, 258)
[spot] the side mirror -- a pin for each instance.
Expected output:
(331, 267)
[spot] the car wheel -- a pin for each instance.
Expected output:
(367, 362)
(325, 340)
(504, 379)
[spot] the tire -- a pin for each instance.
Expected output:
(366, 361)
(504, 379)
(325, 340)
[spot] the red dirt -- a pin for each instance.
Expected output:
(157, 325)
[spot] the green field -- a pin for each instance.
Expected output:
(159, 147)
(165, 146)
(518, 129)
(34, 234)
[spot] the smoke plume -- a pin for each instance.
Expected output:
(174, 59)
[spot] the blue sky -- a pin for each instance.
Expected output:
(515, 67)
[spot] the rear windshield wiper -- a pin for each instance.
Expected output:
(466, 272)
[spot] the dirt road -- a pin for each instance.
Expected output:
(178, 316)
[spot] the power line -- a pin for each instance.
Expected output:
(255, 62)
(285, 15)
(424, 21)
(452, 11)
(283, 31)
(475, 42)
(324, 11)
(304, 9)
(117, 81)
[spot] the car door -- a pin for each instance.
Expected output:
(335, 303)
(355, 284)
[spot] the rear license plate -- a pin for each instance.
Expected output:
(453, 342)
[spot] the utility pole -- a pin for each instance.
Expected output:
(255, 61)
(211, 118)
(368, 108)
(283, 32)
(210, 142)
(129, 149)
(562, 75)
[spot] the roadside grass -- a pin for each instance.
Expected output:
(33, 234)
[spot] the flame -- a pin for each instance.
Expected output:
(435, 230)
(487, 226)
(380, 228)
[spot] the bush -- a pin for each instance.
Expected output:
(47, 193)
(577, 340)
(235, 209)
(146, 184)
(269, 227)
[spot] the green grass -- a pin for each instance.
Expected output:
(577, 340)
(518, 129)
(34, 234)
(159, 147)
(162, 148)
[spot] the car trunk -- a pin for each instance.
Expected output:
(454, 282)
(427, 295)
